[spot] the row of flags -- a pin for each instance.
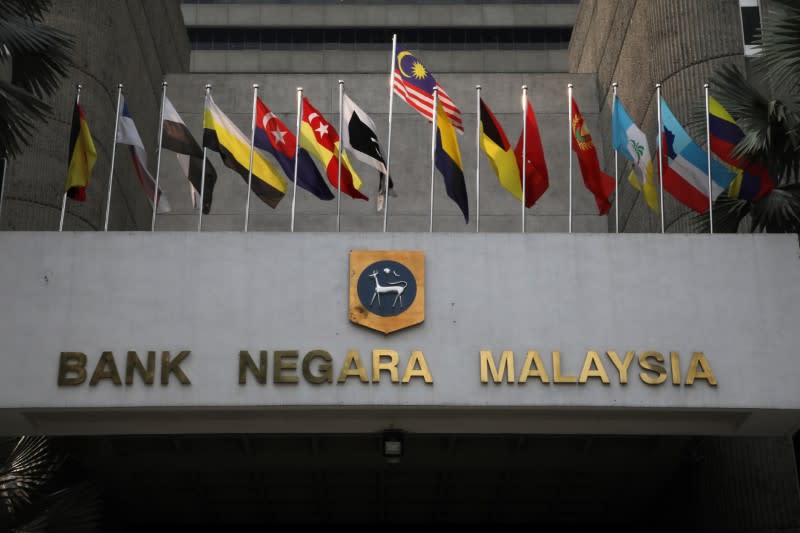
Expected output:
(275, 156)
(684, 164)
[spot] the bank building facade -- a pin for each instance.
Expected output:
(320, 351)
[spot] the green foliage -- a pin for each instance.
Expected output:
(38, 57)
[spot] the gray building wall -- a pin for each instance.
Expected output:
(132, 42)
(365, 72)
(638, 43)
(397, 16)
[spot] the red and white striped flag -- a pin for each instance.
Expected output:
(414, 84)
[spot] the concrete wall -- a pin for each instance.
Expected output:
(397, 16)
(410, 154)
(364, 15)
(132, 42)
(218, 293)
(376, 62)
(638, 43)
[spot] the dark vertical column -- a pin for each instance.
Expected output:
(744, 484)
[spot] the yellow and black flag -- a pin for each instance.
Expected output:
(221, 135)
(495, 145)
(447, 157)
(82, 156)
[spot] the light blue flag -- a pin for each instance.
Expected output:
(686, 166)
(631, 142)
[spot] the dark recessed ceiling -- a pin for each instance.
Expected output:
(241, 481)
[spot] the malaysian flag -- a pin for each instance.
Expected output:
(414, 84)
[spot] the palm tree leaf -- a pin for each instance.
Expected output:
(27, 468)
(728, 215)
(40, 54)
(780, 57)
(33, 10)
(771, 129)
(778, 211)
(22, 113)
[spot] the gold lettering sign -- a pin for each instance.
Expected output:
(387, 289)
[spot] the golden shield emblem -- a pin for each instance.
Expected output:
(387, 289)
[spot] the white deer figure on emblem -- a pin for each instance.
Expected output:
(396, 287)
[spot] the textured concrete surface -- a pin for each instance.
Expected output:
(376, 62)
(399, 15)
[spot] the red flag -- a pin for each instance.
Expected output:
(536, 179)
(597, 181)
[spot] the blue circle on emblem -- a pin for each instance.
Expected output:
(386, 288)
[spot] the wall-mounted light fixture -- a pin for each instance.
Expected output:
(392, 445)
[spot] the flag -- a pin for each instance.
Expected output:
(631, 142)
(320, 138)
(221, 135)
(414, 84)
(128, 134)
(447, 158)
(495, 145)
(176, 137)
(685, 166)
(381, 200)
(82, 156)
(361, 139)
(536, 178)
(274, 137)
(597, 181)
(752, 180)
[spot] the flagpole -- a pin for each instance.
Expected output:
(64, 198)
(524, 148)
(156, 197)
(659, 151)
(203, 173)
(616, 165)
(389, 139)
(569, 150)
(708, 147)
(433, 148)
(297, 152)
(339, 163)
(3, 183)
(477, 159)
(113, 154)
(250, 169)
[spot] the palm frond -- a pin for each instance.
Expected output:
(28, 467)
(780, 51)
(22, 113)
(33, 10)
(40, 54)
(728, 215)
(748, 106)
(778, 211)
(74, 509)
(771, 128)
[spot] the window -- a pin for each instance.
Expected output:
(751, 23)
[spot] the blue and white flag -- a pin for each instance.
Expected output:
(128, 134)
(686, 166)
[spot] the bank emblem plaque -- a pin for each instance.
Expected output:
(387, 289)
